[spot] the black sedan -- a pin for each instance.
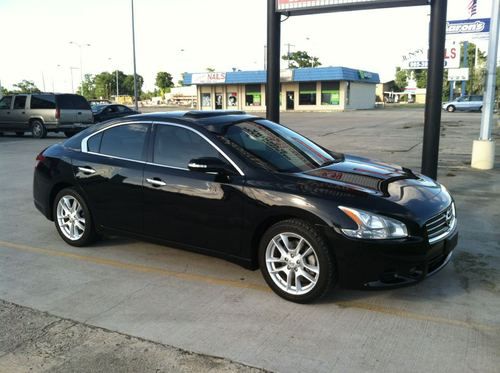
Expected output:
(251, 191)
(107, 112)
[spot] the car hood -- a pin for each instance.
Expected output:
(415, 192)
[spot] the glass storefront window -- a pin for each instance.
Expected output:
(206, 99)
(330, 93)
(232, 99)
(253, 95)
(307, 93)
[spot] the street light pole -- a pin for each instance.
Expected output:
(133, 51)
(116, 78)
(80, 46)
(71, 72)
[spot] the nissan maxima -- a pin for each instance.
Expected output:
(251, 191)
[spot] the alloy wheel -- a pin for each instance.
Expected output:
(71, 217)
(292, 263)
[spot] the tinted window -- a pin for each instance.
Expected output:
(43, 102)
(5, 102)
(176, 146)
(73, 102)
(123, 109)
(307, 93)
(20, 102)
(126, 141)
(94, 143)
(275, 147)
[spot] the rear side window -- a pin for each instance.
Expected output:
(176, 146)
(94, 143)
(20, 102)
(5, 102)
(72, 102)
(43, 102)
(125, 141)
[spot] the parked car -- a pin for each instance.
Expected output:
(464, 103)
(254, 192)
(40, 113)
(106, 112)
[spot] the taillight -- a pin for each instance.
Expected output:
(58, 113)
(40, 157)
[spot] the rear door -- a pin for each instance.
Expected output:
(6, 112)
(109, 169)
(43, 106)
(73, 109)
(19, 116)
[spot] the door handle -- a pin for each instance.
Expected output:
(156, 182)
(87, 170)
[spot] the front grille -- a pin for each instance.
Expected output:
(442, 223)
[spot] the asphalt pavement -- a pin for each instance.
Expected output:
(209, 307)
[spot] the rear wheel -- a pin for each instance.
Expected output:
(450, 108)
(38, 129)
(72, 218)
(295, 261)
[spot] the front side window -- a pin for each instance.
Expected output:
(125, 141)
(19, 102)
(122, 109)
(5, 102)
(43, 102)
(176, 146)
(275, 147)
(253, 95)
(307, 93)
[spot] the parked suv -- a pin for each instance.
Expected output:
(40, 113)
(465, 103)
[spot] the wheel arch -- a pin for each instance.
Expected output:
(52, 196)
(281, 215)
(30, 121)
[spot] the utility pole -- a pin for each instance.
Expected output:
(288, 52)
(136, 104)
(80, 46)
(483, 149)
(465, 64)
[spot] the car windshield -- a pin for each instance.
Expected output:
(97, 108)
(275, 147)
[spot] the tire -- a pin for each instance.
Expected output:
(450, 109)
(73, 221)
(19, 134)
(38, 129)
(315, 273)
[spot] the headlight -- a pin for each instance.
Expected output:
(372, 226)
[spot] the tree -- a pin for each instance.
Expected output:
(4, 91)
(25, 86)
(164, 81)
(420, 77)
(300, 59)
(401, 80)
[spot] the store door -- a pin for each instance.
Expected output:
(290, 100)
(218, 101)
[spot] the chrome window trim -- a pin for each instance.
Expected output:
(219, 150)
(84, 146)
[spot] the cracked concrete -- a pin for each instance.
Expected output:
(34, 341)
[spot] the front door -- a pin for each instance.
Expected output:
(290, 100)
(192, 208)
(6, 112)
(111, 173)
(218, 101)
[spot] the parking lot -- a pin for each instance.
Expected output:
(204, 305)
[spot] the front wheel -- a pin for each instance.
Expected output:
(450, 109)
(296, 262)
(38, 129)
(72, 218)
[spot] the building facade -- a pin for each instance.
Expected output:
(306, 89)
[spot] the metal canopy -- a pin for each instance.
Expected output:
(303, 7)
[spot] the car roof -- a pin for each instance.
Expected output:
(212, 120)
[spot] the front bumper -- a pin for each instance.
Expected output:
(390, 264)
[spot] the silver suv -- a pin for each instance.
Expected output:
(465, 103)
(40, 113)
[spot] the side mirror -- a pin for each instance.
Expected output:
(210, 165)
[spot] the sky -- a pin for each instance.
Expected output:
(192, 35)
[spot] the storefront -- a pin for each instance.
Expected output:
(308, 89)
